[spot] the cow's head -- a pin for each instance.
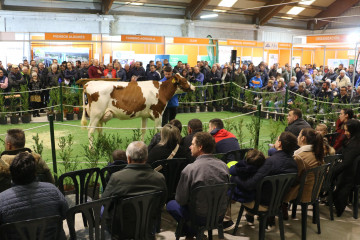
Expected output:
(182, 84)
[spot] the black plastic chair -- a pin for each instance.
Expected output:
(106, 172)
(217, 199)
(319, 174)
(92, 212)
(236, 155)
(171, 169)
(86, 186)
(33, 229)
(136, 217)
(279, 185)
(328, 185)
(331, 137)
(356, 188)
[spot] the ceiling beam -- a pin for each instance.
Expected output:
(266, 13)
(157, 3)
(46, 9)
(334, 10)
(195, 8)
(296, 3)
(106, 6)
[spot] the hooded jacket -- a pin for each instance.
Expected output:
(225, 141)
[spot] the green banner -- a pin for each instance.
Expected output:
(175, 58)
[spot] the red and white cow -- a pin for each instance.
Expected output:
(128, 100)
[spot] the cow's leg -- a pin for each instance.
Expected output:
(143, 127)
(158, 122)
(99, 130)
(94, 121)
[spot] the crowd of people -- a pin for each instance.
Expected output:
(296, 150)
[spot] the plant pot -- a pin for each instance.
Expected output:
(210, 108)
(79, 115)
(3, 120)
(202, 108)
(70, 116)
(272, 115)
(14, 119)
(280, 117)
(218, 108)
(186, 109)
(180, 109)
(58, 117)
(227, 108)
(91, 191)
(263, 114)
(193, 109)
(26, 118)
(69, 189)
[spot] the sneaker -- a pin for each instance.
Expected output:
(249, 219)
(228, 225)
(269, 228)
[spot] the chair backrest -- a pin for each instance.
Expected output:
(214, 199)
(357, 170)
(318, 173)
(331, 137)
(85, 183)
(135, 217)
(332, 160)
(106, 172)
(278, 185)
(33, 229)
(236, 155)
(171, 169)
(94, 212)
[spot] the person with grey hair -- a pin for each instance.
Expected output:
(342, 80)
(135, 179)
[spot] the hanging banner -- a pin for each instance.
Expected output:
(244, 43)
(284, 45)
(68, 36)
(326, 39)
(140, 38)
(271, 46)
(191, 40)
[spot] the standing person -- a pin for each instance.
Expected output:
(16, 79)
(138, 72)
(3, 80)
(206, 170)
(256, 81)
(345, 172)
(153, 74)
(110, 72)
(171, 107)
(120, 72)
(70, 74)
(95, 71)
(35, 97)
(30, 199)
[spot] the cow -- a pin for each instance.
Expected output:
(129, 100)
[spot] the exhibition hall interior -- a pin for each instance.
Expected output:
(179, 119)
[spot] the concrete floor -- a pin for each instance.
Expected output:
(345, 227)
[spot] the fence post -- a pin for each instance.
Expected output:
(257, 129)
(286, 99)
(61, 102)
(52, 140)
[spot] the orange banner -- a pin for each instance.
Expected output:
(140, 38)
(284, 45)
(68, 36)
(326, 39)
(191, 40)
(244, 43)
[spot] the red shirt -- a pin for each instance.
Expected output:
(93, 72)
(113, 73)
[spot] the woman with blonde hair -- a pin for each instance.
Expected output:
(322, 129)
(169, 145)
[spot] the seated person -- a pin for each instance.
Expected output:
(225, 141)
(280, 162)
(344, 116)
(118, 157)
(14, 144)
(30, 199)
(157, 137)
(169, 145)
(322, 130)
(194, 126)
(309, 155)
(206, 170)
(135, 179)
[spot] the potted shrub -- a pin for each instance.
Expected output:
(24, 98)
(180, 108)
(69, 102)
(14, 103)
(200, 97)
(3, 118)
(209, 97)
(192, 97)
(53, 101)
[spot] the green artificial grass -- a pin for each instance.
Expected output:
(268, 130)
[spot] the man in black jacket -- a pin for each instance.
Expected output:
(16, 79)
(295, 122)
(194, 126)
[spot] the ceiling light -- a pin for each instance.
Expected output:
(137, 4)
(286, 18)
(307, 2)
(227, 3)
(295, 10)
(219, 10)
(209, 16)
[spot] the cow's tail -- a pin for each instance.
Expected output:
(83, 118)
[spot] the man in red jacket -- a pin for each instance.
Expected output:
(95, 71)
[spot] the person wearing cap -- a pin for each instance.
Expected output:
(16, 79)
